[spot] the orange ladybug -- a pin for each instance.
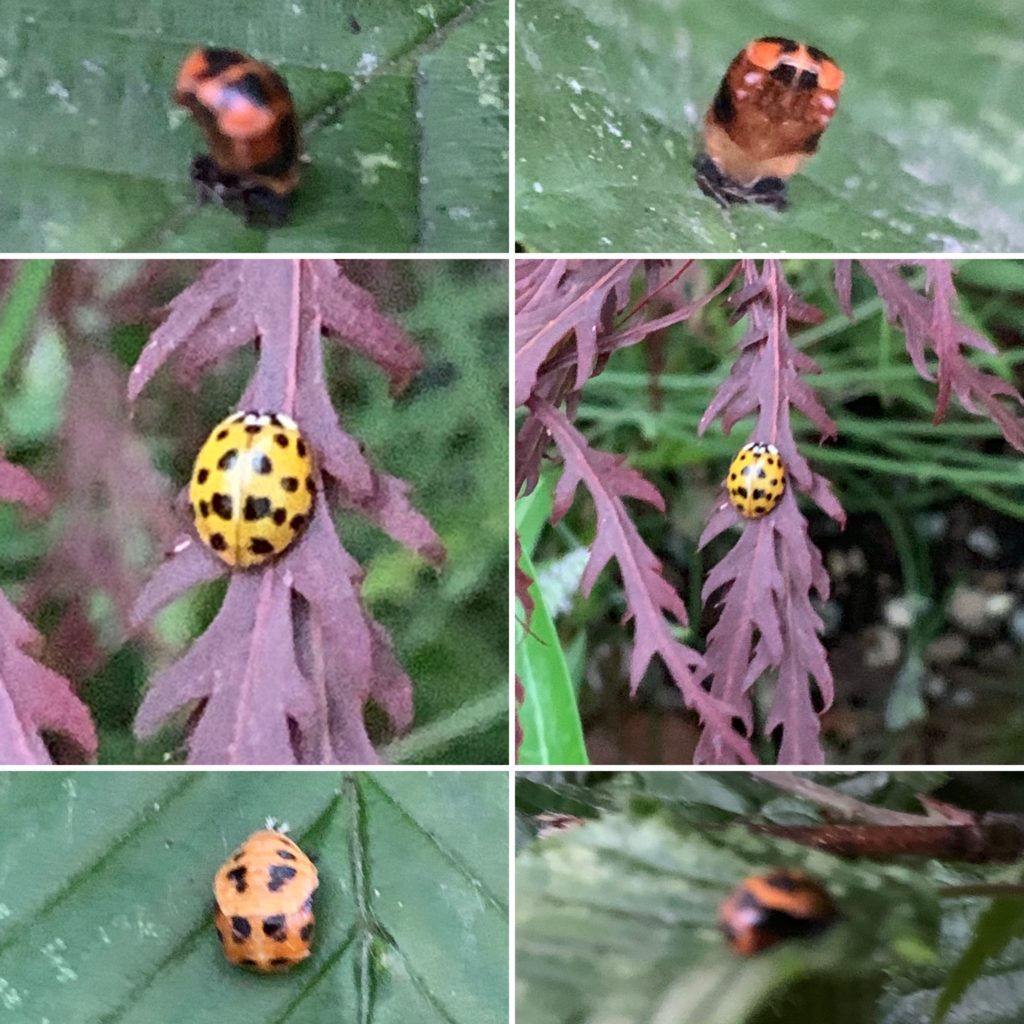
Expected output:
(264, 895)
(247, 114)
(776, 99)
(770, 908)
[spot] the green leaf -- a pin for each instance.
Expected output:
(610, 98)
(107, 904)
(95, 155)
(996, 927)
(552, 731)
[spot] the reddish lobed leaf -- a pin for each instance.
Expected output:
(648, 595)
(932, 324)
(288, 680)
(766, 621)
(19, 485)
(33, 698)
(556, 298)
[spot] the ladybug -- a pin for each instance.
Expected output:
(264, 895)
(756, 480)
(247, 114)
(776, 99)
(767, 909)
(252, 487)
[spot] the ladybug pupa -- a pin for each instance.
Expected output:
(264, 903)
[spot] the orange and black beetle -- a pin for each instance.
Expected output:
(767, 909)
(246, 112)
(775, 101)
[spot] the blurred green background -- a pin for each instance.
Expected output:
(108, 903)
(925, 153)
(446, 435)
(404, 109)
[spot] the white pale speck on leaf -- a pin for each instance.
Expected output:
(367, 64)
(10, 997)
(427, 11)
(592, 43)
(575, 86)
(371, 164)
(484, 67)
(54, 952)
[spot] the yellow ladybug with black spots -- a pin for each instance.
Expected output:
(252, 487)
(756, 480)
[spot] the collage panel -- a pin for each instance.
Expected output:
(755, 897)
(253, 512)
(751, 126)
(228, 897)
(769, 511)
(138, 126)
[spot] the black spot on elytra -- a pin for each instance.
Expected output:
(221, 434)
(275, 419)
(787, 44)
(760, 510)
(807, 80)
(217, 542)
(250, 85)
(308, 904)
(202, 476)
(281, 440)
(761, 474)
(280, 516)
(259, 546)
(305, 931)
(227, 461)
(218, 59)
(256, 508)
(297, 523)
(818, 55)
(273, 927)
(811, 143)
(240, 929)
(784, 73)
(289, 484)
(261, 463)
(732, 476)
(758, 494)
(285, 855)
(723, 109)
(310, 486)
(237, 876)
(253, 428)
(279, 961)
(741, 492)
(300, 447)
(223, 506)
(247, 962)
(280, 874)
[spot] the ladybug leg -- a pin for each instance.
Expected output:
(770, 192)
(712, 182)
(264, 207)
(212, 185)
